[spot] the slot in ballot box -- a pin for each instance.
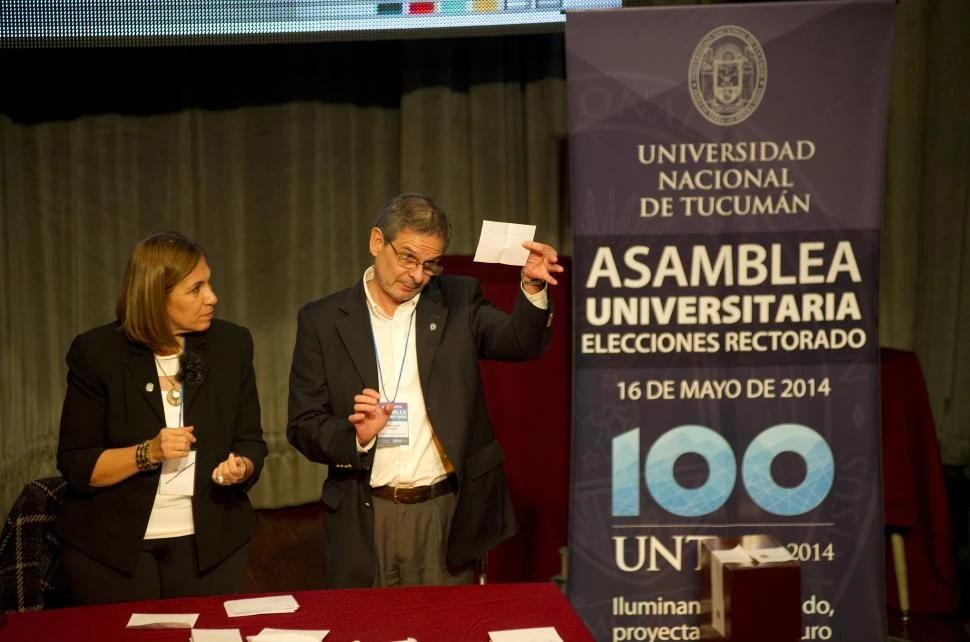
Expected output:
(752, 585)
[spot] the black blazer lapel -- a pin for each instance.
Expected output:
(358, 337)
(144, 376)
(195, 364)
(431, 317)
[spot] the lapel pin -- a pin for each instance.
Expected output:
(433, 327)
(149, 387)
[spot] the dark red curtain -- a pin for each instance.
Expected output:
(530, 409)
(915, 491)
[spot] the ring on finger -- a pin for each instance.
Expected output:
(219, 479)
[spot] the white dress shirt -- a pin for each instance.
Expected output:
(418, 463)
(171, 515)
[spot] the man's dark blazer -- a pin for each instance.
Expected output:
(109, 405)
(334, 359)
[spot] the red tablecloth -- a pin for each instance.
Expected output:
(915, 493)
(427, 614)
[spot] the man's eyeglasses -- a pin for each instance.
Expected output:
(409, 262)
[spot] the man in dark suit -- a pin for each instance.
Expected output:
(385, 389)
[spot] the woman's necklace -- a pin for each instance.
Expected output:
(174, 394)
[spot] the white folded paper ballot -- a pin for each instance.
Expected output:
(543, 634)
(502, 243)
(288, 635)
(162, 620)
(261, 605)
(215, 635)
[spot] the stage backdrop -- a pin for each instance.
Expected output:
(727, 179)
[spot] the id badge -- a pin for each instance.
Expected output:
(178, 476)
(396, 431)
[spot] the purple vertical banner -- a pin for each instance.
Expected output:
(727, 168)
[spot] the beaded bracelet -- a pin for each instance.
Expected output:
(141, 456)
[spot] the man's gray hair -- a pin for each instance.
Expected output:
(416, 212)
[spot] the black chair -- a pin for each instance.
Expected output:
(31, 576)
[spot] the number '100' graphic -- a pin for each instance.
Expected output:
(719, 455)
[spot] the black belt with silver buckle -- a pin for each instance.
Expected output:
(415, 494)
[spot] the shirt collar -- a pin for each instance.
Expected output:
(407, 306)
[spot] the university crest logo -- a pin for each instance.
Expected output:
(728, 74)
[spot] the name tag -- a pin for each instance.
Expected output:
(178, 476)
(396, 432)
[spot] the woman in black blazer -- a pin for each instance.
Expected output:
(160, 438)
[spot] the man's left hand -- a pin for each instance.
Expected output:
(542, 263)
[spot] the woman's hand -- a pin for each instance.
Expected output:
(171, 443)
(117, 464)
(232, 470)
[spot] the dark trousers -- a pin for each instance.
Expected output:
(411, 541)
(166, 568)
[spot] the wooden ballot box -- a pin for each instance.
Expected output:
(753, 587)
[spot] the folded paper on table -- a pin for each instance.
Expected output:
(288, 635)
(162, 620)
(261, 605)
(542, 634)
(215, 635)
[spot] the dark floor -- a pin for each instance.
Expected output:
(287, 555)
(286, 552)
(927, 629)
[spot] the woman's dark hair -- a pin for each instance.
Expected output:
(156, 265)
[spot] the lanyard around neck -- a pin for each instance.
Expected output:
(400, 372)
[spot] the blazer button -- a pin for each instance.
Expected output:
(367, 504)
